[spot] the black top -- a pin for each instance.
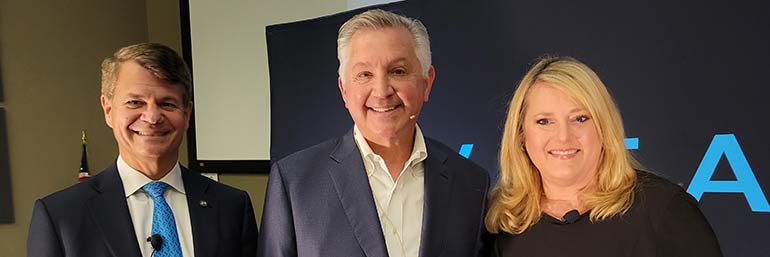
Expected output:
(664, 220)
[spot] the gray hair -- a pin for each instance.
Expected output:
(377, 18)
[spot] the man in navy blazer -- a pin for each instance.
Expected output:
(146, 101)
(382, 189)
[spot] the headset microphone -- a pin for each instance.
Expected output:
(156, 241)
(571, 217)
(413, 116)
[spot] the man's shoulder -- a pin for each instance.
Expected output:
(464, 170)
(72, 194)
(453, 159)
(71, 198)
(320, 150)
(306, 161)
(307, 164)
(434, 146)
(194, 178)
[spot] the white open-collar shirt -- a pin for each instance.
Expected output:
(140, 206)
(399, 203)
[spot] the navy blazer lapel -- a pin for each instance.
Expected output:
(204, 213)
(355, 194)
(438, 185)
(110, 212)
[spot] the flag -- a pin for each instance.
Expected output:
(84, 172)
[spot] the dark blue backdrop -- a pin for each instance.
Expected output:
(682, 73)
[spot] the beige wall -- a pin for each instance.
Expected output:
(51, 52)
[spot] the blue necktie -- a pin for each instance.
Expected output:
(163, 221)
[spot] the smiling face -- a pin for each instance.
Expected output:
(147, 115)
(560, 136)
(383, 87)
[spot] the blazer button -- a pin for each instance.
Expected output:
(203, 203)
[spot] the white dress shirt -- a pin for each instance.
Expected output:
(399, 203)
(140, 206)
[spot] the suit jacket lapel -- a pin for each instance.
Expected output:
(204, 214)
(438, 182)
(109, 211)
(349, 178)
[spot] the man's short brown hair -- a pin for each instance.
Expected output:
(160, 60)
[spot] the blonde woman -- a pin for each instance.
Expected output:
(568, 186)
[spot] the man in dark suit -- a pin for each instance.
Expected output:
(145, 204)
(382, 189)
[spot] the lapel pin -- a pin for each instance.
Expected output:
(203, 203)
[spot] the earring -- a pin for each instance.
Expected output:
(523, 148)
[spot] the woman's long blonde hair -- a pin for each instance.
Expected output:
(516, 198)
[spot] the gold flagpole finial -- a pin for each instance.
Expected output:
(83, 138)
